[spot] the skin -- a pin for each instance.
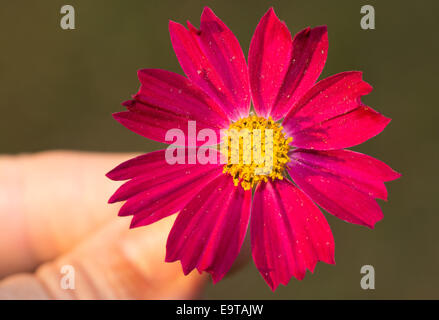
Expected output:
(54, 212)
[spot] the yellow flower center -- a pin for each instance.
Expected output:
(256, 149)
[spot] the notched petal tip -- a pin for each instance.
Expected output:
(118, 116)
(133, 225)
(273, 287)
(372, 224)
(124, 213)
(169, 258)
(192, 28)
(113, 199)
(142, 74)
(270, 11)
(208, 12)
(323, 28)
(395, 175)
(174, 27)
(319, 32)
(268, 15)
(127, 104)
(385, 120)
(367, 86)
(110, 175)
(216, 277)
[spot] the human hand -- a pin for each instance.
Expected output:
(54, 212)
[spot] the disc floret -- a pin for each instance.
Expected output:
(257, 149)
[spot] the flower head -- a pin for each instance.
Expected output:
(301, 129)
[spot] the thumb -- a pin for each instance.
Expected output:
(49, 202)
(115, 263)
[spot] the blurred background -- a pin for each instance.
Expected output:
(59, 87)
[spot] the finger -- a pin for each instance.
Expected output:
(49, 201)
(115, 263)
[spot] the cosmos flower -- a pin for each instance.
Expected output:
(312, 123)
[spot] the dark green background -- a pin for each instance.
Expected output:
(58, 89)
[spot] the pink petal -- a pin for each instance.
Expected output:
(344, 131)
(268, 59)
(289, 234)
(213, 59)
(329, 98)
(360, 171)
(283, 70)
(344, 183)
(166, 101)
(166, 197)
(155, 180)
(331, 115)
(310, 49)
(158, 189)
(210, 230)
(141, 165)
(171, 91)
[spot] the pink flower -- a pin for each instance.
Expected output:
(319, 120)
